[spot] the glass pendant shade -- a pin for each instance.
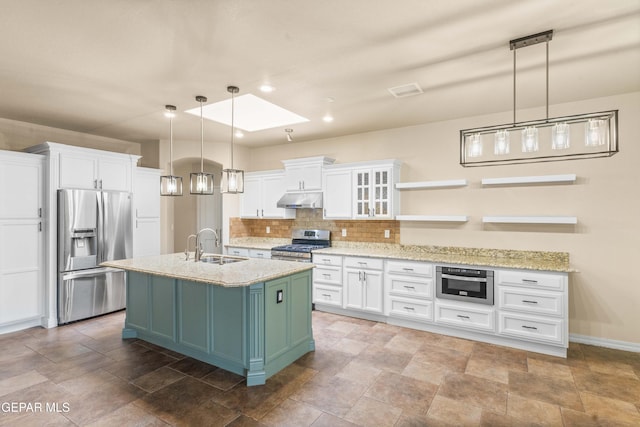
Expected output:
(501, 143)
(201, 183)
(232, 181)
(475, 145)
(596, 133)
(529, 140)
(170, 185)
(560, 136)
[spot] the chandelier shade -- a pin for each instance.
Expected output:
(232, 180)
(201, 183)
(170, 185)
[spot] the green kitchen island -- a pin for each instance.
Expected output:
(251, 317)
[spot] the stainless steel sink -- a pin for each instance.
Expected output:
(220, 259)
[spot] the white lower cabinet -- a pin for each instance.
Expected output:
(533, 306)
(260, 253)
(327, 280)
(466, 315)
(410, 308)
(232, 250)
(409, 290)
(363, 283)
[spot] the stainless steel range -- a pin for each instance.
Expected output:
(303, 242)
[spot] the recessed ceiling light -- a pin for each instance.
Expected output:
(267, 88)
(239, 134)
(328, 118)
(251, 113)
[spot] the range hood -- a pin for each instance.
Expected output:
(301, 200)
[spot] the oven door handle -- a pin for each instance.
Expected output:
(464, 278)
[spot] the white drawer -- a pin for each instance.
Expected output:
(531, 328)
(327, 294)
(238, 251)
(415, 310)
(333, 260)
(531, 301)
(410, 286)
(328, 275)
(410, 267)
(531, 279)
(466, 317)
(260, 253)
(363, 263)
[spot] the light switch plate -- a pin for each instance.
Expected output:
(387, 234)
(344, 232)
(268, 229)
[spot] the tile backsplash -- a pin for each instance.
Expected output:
(369, 230)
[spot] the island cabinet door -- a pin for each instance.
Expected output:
(137, 301)
(193, 307)
(163, 304)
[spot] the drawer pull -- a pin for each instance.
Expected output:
(528, 301)
(463, 317)
(326, 275)
(362, 263)
(260, 254)
(409, 308)
(327, 295)
(529, 281)
(410, 287)
(407, 269)
(530, 327)
(326, 260)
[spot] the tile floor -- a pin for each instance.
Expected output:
(362, 373)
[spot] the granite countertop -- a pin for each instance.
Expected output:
(505, 258)
(243, 273)
(526, 260)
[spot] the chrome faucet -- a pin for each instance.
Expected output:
(199, 249)
(186, 250)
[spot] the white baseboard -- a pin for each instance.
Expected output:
(603, 342)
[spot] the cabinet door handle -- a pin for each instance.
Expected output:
(360, 276)
(95, 183)
(39, 226)
(262, 212)
(530, 327)
(529, 281)
(39, 212)
(463, 317)
(101, 184)
(527, 301)
(258, 212)
(364, 274)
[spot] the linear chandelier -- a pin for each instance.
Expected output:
(543, 140)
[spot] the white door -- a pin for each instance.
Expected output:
(272, 190)
(354, 287)
(20, 200)
(362, 193)
(381, 188)
(114, 174)
(250, 201)
(146, 194)
(78, 171)
(337, 201)
(372, 285)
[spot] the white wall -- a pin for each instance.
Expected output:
(604, 245)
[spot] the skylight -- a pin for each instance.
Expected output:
(251, 113)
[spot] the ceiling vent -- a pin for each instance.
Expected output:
(405, 90)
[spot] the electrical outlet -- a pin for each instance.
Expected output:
(387, 234)
(344, 232)
(268, 229)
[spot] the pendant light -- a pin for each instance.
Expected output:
(232, 179)
(170, 185)
(201, 182)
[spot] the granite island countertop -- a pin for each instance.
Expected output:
(502, 258)
(242, 273)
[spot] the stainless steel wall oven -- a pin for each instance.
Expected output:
(464, 284)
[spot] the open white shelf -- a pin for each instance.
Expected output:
(431, 184)
(531, 219)
(529, 179)
(433, 218)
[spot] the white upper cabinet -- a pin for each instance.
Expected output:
(374, 193)
(86, 168)
(338, 188)
(262, 190)
(20, 185)
(146, 193)
(305, 174)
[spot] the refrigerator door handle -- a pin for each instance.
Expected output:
(100, 202)
(89, 273)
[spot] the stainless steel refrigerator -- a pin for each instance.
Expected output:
(93, 227)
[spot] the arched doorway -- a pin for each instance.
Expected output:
(192, 213)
